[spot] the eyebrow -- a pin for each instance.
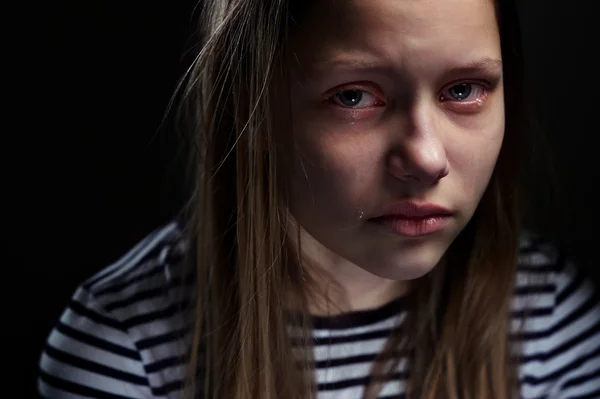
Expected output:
(373, 64)
(486, 64)
(350, 61)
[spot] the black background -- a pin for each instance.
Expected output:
(89, 173)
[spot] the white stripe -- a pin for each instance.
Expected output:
(393, 388)
(337, 351)
(147, 306)
(545, 258)
(163, 351)
(351, 371)
(348, 393)
(533, 301)
(168, 375)
(386, 324)
(156, 328)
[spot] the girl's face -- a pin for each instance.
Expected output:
(398, 118)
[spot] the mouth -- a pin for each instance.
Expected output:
(409, 219)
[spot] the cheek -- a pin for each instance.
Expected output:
(331, 172)
(474, 157)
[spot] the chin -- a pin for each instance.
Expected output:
(408, 266)
(405, 272)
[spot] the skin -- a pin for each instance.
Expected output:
(410, 137)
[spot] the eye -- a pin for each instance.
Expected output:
(354, 99)
(461, 91)
(464, 92)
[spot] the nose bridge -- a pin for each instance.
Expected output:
(422, 153)
(426, 141)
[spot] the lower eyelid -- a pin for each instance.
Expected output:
(470, 106)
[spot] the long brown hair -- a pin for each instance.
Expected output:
(456, 333)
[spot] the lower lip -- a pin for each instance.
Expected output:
(414, 227)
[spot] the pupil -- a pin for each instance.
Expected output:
(350, 97)
(461, 91)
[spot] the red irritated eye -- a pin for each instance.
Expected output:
(465, 96)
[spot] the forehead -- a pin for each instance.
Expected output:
(416, 32)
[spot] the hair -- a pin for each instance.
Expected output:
(247, 276)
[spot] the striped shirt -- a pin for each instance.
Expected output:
(122, 334)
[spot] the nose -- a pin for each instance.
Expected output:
(419, 156)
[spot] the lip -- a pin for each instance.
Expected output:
(408, 209)
(410, 219)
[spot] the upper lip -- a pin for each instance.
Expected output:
(409, 209)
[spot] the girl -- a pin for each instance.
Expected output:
(355, 225)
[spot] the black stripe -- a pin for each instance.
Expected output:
(139, 296)
(94, 316)
(345, 361)
(97, 342)
(590, 332)
(150, 293)
(581, 379)
(117, 287)
(361, 381)
(400, 396)
(561, 371)
(93, 367)
(176, 335)
(168, 388)
(537, 269)
(178, 252)
(160, 365)
(534, 312)
(592, 395)
(585, 307)
(164, 313)
(77, 389)
(535, 289)
(574, 284)
(360, 318)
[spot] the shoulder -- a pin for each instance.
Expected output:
(556, 324)
(123, 330)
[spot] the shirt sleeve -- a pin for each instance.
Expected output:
(90, 354)
(576, 353)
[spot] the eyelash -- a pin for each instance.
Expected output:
(460, 105)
